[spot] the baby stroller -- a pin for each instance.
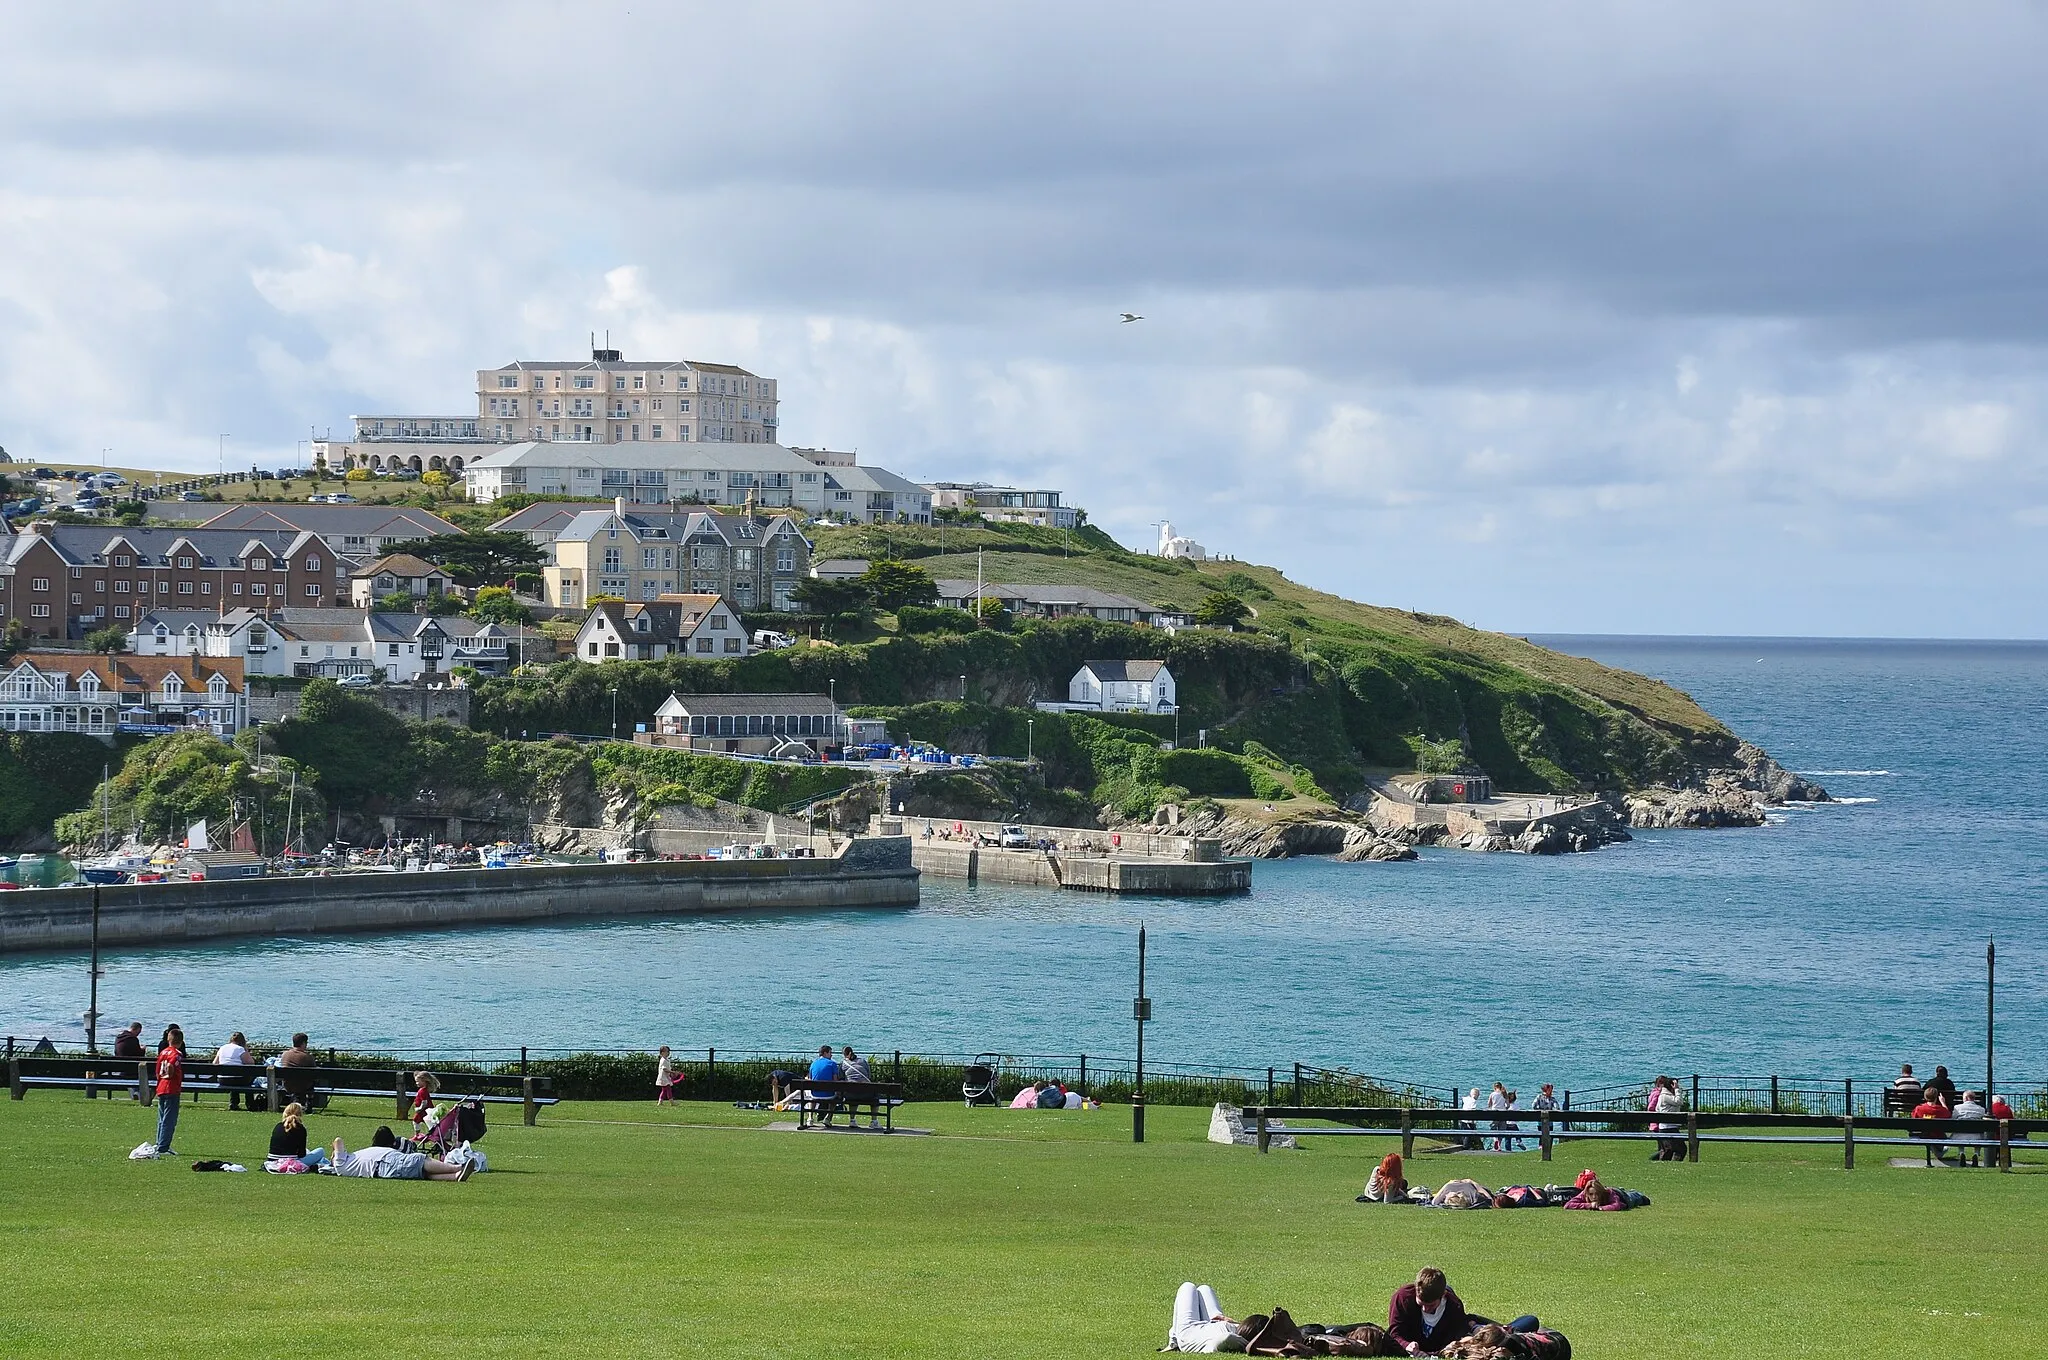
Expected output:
(462, 1123)
(978, 1082)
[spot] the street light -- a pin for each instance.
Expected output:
(1141, 1011)
(963, 689)
(1027, 740)
(615, 712)
(220, 454)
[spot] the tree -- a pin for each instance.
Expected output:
(108, 640)
(476, 555)
(495, 604)
(356, 475)
(993, 615)
(1222, 611)
(831, 598)
(891, 583)
(439, 481)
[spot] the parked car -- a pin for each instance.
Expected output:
(405, 475)
(355, 682)
(1014, 838)
(193, 496)
(44, 472)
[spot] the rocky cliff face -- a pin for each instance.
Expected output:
(1732, 796)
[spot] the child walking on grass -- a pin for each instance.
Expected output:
(664, 1078)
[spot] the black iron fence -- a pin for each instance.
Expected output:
(722, 1074)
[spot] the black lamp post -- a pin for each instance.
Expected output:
(1141, 1011)
(1990, 1011)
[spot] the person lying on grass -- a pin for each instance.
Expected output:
(383, 1161)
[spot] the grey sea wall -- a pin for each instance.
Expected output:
(869, 872)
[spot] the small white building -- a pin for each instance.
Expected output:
(1174, 545)
(244, 634)
(1119, 687)
(702, 627)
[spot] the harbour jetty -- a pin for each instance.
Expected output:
(1123, 862)
(866, 871)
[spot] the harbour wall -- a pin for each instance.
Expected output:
(1087, 873)
(867, 872)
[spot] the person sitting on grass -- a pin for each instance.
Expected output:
(1027, 1099)
(1387, 1184)
(288, 1139)
(1427, 1316)
(383, 1161)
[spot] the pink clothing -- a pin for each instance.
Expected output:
(1027, 1099)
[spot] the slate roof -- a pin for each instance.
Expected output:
(1124, 670)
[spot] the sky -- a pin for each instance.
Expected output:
(1587, 318)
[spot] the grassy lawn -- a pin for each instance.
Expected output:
(620, 1229)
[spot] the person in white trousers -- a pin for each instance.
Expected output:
(1199, 1323)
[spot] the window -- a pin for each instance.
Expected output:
(120, 587)
(39, 611)
(650, 558)
(77, 598)
(657, 403)
(743, 559)
(785, 559)
(163, 587)
(184, 564)
(184, 587)
(611, 559)
(508, 380)
(40, 583)
(394, 649)
(584, 380)
(312, 592)
(99, 587)
(732, 644)
(682, 432)
(238, 587)
(654, 432)
(259, 589)
(703, 644)
(123, 561)
(120, 611)
(683, 384)
(593, 649)
(636, 434)
(312, 564)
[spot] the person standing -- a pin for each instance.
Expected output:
(1471, 1102)
(664, 1077)
(170, 1088)
(128, 1047)
(1497, 1101)
(234, 1053)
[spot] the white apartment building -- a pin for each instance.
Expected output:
(648, 473)
(610, 400)
(1005, 504)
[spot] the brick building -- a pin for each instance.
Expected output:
(67, 580)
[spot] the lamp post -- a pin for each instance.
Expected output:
(1141, 1011)
(615, 712)
(92, 1005)
(1990, 1011)
(1027, 740)
(963, 689)
(220, 455)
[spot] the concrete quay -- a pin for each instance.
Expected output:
(867, 872)
(1152, 865)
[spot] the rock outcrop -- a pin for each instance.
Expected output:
(1720, 802)
(1772, 781)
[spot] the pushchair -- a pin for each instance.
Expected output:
(463, 1122)
(978, 1082)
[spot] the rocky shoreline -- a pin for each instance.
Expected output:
(1733, 796)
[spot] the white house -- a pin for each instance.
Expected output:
(1119, 687)
(335, 643)
(244, 634)
(1175, 545)
(100, 695)
(702, 627)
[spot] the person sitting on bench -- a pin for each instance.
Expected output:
(383, 1161)
(1930, 1107)
(1969, 1146)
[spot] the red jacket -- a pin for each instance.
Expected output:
(170, 1073)
(1405, 1323)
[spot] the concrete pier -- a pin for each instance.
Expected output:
(1088, 861)
(868, 872)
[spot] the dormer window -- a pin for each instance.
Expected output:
(184, 564)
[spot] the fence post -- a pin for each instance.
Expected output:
(2005, 1145)
(896, 1067)
(1692, 1135)
(1407, 1132)
(1567, 1097)
(1084, 1073)
(1849, 1143)
(14, 1087)
(522, 1060)
(1774, 1093)
(526, 1095)
(398, 1080)
(1297, 1083)
(1269, 1086)
(272, 1092)
(1265, 1135)
(1695, 1090)
(1543, 1134)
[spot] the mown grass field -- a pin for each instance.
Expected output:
(622, 1230)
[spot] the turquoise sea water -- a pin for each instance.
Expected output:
(1837, 941)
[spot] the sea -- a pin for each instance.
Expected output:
(1838, 940)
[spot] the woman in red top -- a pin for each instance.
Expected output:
(170, 1086)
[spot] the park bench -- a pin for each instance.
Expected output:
(1690, 1127)
(272, 1087)
(817, 1102)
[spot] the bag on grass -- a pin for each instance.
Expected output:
(144, 1152)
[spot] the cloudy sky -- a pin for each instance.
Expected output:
(1582, 318)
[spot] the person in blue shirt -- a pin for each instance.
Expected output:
(824, 1068)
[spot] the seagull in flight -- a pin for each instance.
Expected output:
(1129, 317)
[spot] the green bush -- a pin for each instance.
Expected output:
(913, 618)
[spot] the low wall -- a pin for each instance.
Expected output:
(1149, 844)
(869, 872)
(1086, 873)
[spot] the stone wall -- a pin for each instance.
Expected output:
(869, 873)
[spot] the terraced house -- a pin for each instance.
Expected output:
(66, 580)
(100, 696)
(753, 561)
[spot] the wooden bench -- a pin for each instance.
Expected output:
(272, 1087)
(1687, 1126)
(818, 1101)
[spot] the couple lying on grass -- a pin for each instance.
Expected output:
(1423, 1318)
(1389, 1184)
(384, 1159)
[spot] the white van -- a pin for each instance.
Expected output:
(767, 639)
